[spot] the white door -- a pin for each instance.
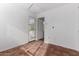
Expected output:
(40, 28)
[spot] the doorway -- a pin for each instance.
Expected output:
(36, 29)
(40, 28)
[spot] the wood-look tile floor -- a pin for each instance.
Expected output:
(39, 48)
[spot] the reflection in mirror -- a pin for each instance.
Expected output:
(32, 29)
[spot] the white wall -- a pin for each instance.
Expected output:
(64, 21)
(77, 29)
(13, 25)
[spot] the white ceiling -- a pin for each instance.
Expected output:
(41, 7)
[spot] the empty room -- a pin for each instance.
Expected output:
(39, 29)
